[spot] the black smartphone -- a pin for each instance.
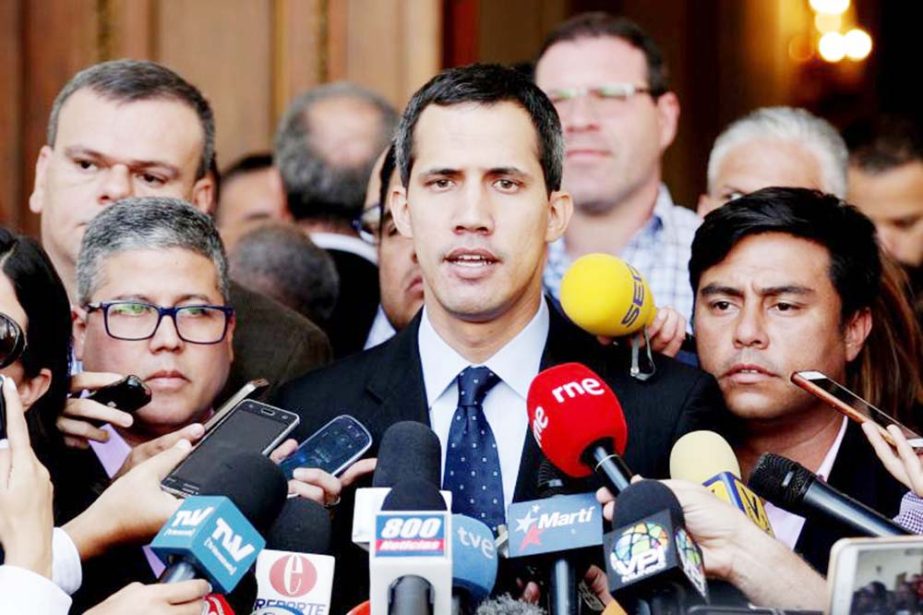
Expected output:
(249, 426)
(331, 448)
(128, 394)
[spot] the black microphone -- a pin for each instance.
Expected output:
(791, 486)
(408, 449)
(651, 560)
(410, 569)
(562, 583)
(295, 569)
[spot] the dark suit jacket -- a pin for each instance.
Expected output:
(271, 341)
(858, 473)
(357, 302)
(384, 385)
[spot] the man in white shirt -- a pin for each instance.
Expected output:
(480, 152)
(786, 280)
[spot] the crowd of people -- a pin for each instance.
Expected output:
(376, 259)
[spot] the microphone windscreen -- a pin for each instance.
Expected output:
(701, 455)
(779, 480)
(570, 408)
(252, 482)
(303, 526)
(408, 450)
(506, 605)
(550, 481)
(414, 494)
(605, 295)
(643, 499)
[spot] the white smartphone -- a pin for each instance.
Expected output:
(845, 401)
(864, 572)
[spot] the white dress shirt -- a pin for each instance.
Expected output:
(23, 591)
(787, 526)
(516, 364)
(381, 330)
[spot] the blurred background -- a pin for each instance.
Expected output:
(841, 59)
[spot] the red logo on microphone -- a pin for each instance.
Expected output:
(293, 575)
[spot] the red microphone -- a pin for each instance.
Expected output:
(578, 423)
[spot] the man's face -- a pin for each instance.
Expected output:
(758, 164)
(769, 309)
(247, 200)
(399, 278)
(894, 201)
(184, 377)
(105, 151)
(613, 146)
(478, 211)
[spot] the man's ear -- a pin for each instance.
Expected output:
(857, 330)
(560, 209)
(668, 118)
(31, 389)
(203, 194)
(37, 198)
(79, 330)
(400, 210)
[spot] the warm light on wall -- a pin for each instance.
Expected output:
(828, 22)
(832, 46)
(858, 44)
(833, 7)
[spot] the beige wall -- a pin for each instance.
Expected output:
(248, 56)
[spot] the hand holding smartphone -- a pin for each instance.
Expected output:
(332, 448)
(854, 407)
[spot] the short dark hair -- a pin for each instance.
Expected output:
(388, 164)
(41, 294)
(486, 84)
(603, 25)
(883, 143)
(280, 261)
(127, 81)
(848, 236)
(251, 162)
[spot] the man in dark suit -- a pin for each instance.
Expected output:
(135, 128)
(480, 152)
(788, 279)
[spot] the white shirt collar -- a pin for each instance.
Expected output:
(345, 243)
(517, 363)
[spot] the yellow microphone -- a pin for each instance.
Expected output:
(706, 458)
(604, 295)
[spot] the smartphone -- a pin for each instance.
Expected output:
(245, 392)
(128, 394)
(853, 406)
(249, 426)
(332, 448)
(855, 563)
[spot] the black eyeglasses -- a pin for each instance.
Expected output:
(12, 341)
(136, 320)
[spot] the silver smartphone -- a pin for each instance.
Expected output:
(248, 390)
(249, 426)
(848, 403)
(860, 567)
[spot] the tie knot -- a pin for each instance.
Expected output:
(474, 383)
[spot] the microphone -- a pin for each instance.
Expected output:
(705, 457)
(505, 605)
(217, 537)
(410, 564)
(408, 449)
(474, 563)
(562, 531)
(604, 295)
(294, 571)
(578, 423)
(649, 556)
(792, 487)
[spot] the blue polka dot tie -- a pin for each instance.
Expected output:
(472, 464)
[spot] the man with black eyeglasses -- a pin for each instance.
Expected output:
(152, 300)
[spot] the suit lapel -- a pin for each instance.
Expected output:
(397, 383)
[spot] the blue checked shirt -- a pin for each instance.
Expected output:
(660, 251)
